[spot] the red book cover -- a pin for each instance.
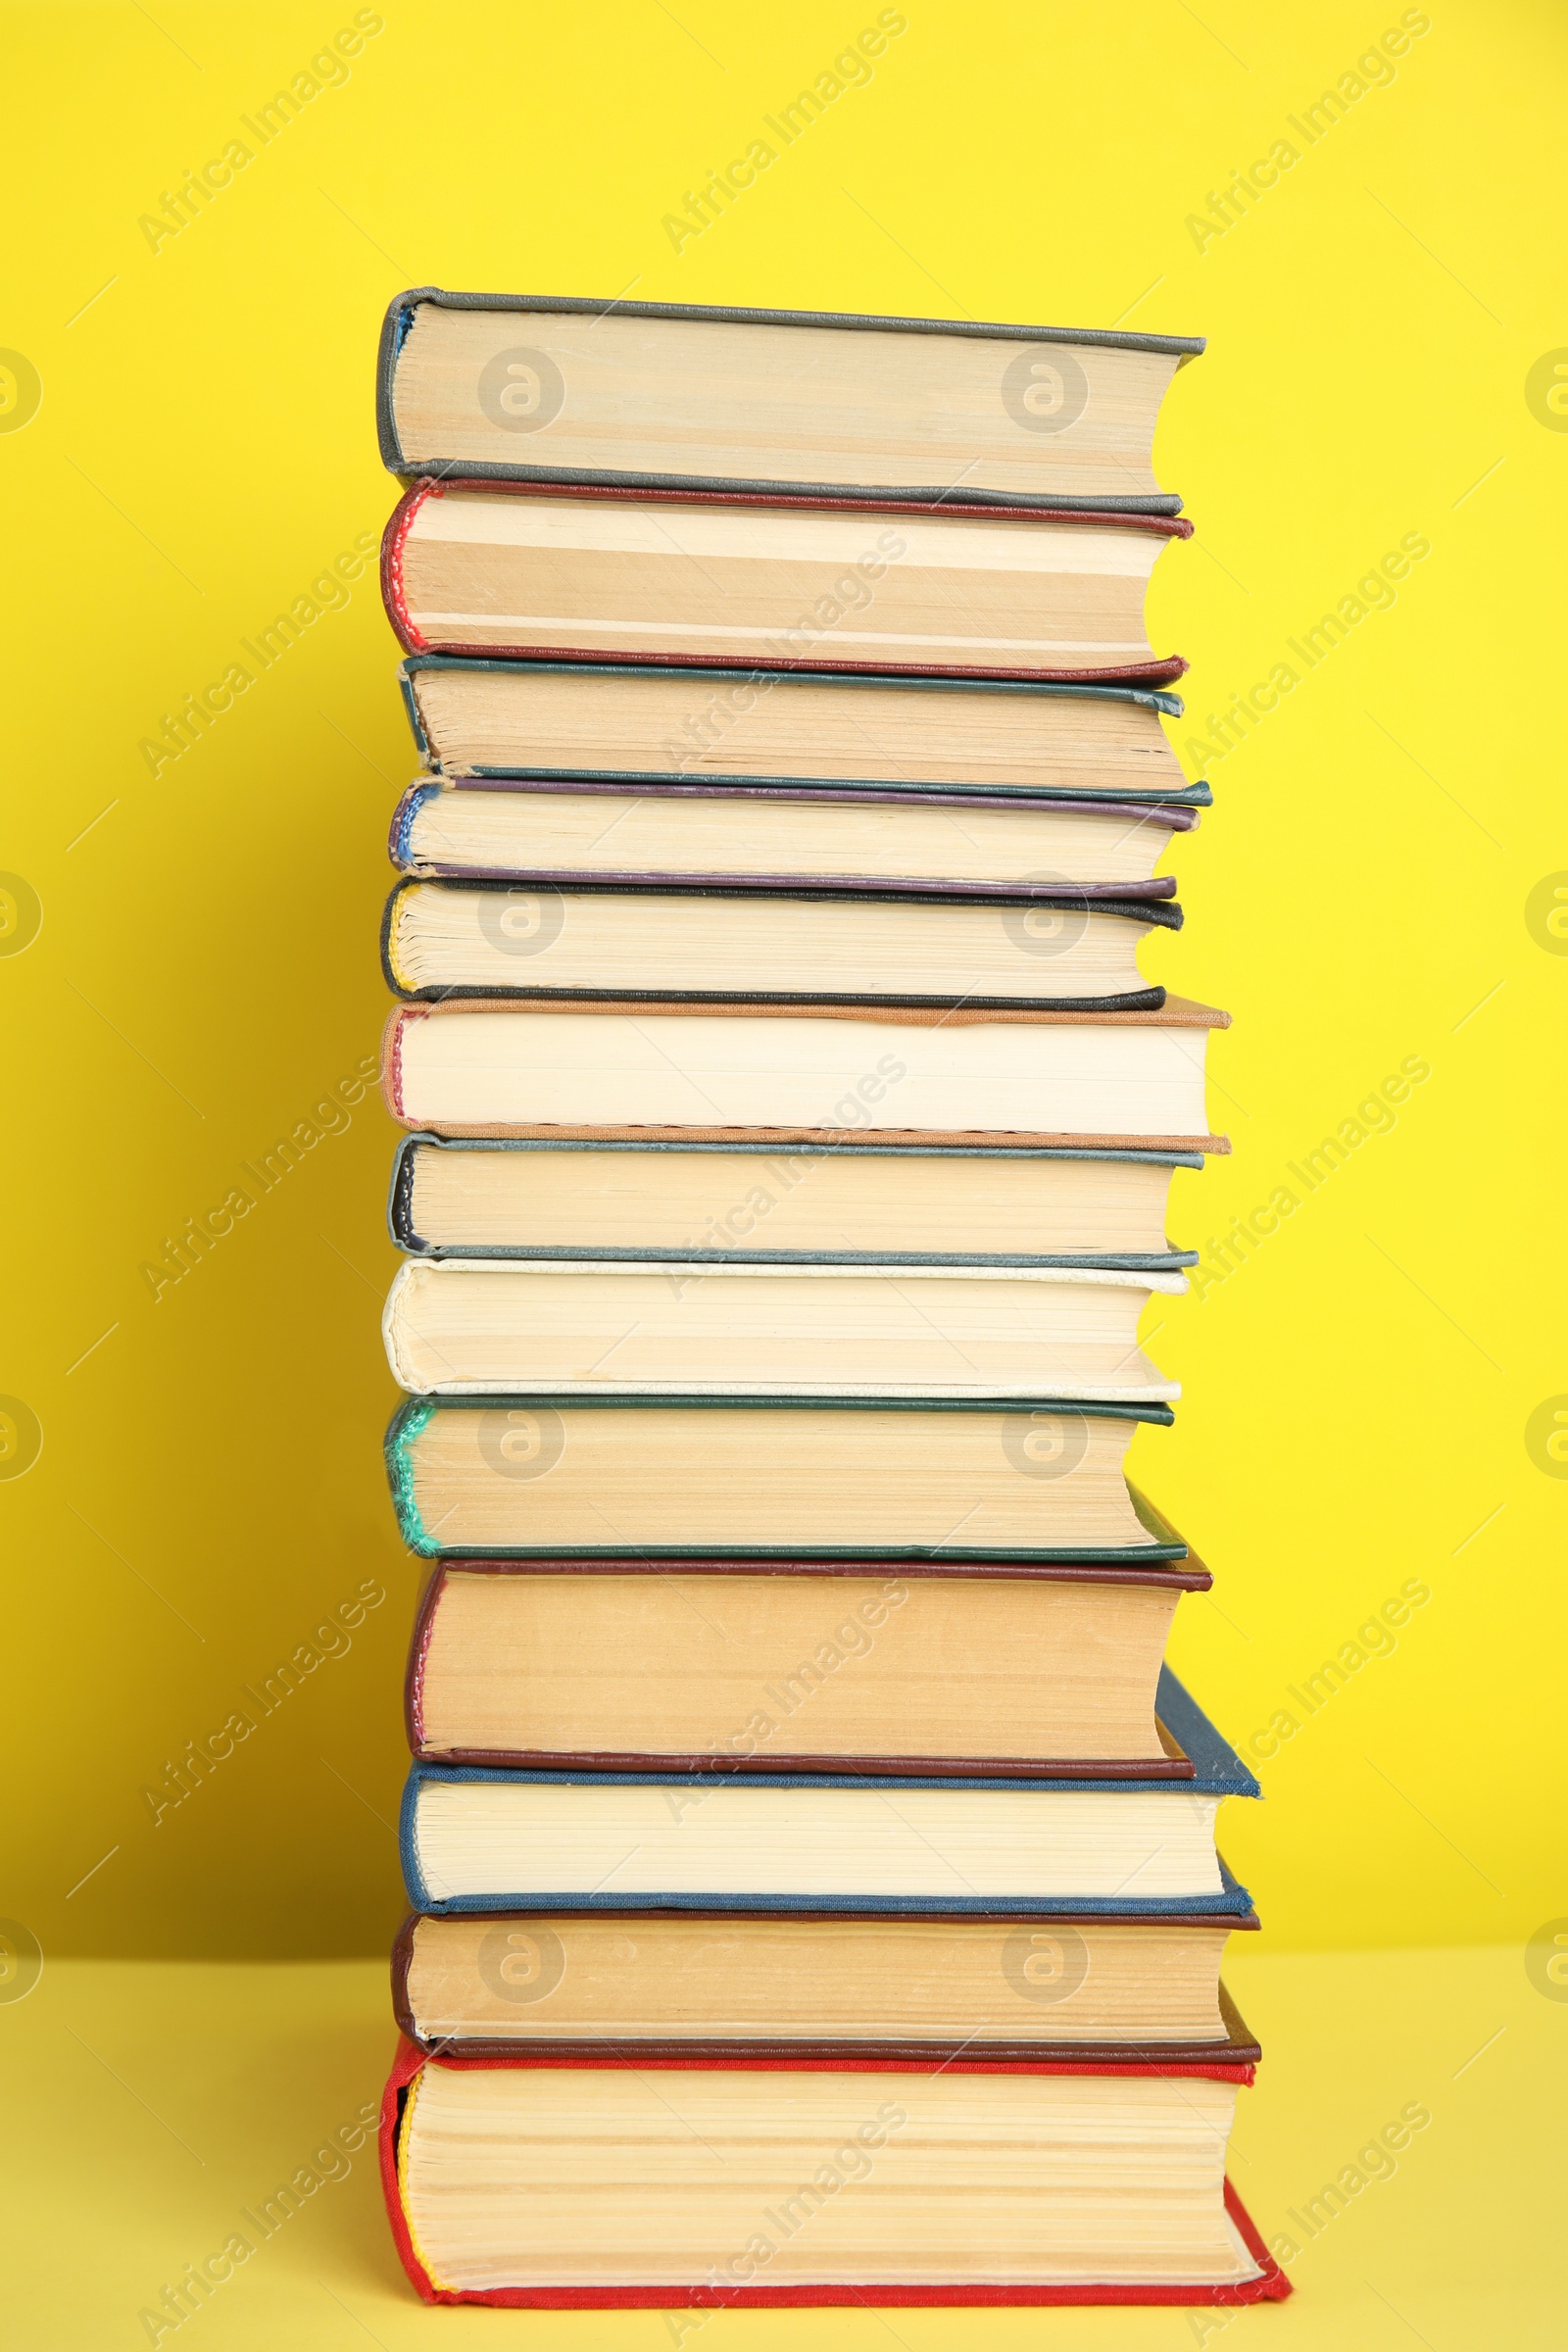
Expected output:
(1270, 2285)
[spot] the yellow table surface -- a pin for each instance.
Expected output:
(146, 2104)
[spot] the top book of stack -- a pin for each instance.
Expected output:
(793, 404)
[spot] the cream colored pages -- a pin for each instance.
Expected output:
(782, 1479)
(850, 841)
(543, 718)
(624, 1839)
(459, 1325)
(542, 1976)
(755, 583)
(749, 1202)
(536, 938)
(762, 1667)
(528, 2175)
(742, 400)
(694, 1070)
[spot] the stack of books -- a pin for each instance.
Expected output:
(815, 1889)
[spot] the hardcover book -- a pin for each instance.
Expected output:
(923, 1987)
(539, 388)
(618, 723)
(880, 1205)
(648, 940)
(758, 837)
(802, 1073)
(897, 1668)
(598, 575)
(771, 1476)
(480, 1840)
(463, 1326)
(817, 2181)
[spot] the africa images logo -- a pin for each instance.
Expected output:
(521, 1442)
(1045, 391)
(522, 389)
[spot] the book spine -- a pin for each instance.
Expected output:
(407, 2066)
(400, 831)
(400, 1200)
(394, 326)
(419, 1648)
(391, 972)
(392, 1058)
(406, 1425)
(419, 1894)
(407, 671)
(393, 540)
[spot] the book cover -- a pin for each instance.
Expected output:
(1269, 2285)
(751, 679)
(406, 1237)
(1175, 1012)
(1159, 914)
(1149, 669)
(1172, 1705)
(1235, 2048)
(415, 1412)
(419, 797)
(544, 392)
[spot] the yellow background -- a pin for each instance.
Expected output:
(1357, 1397)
